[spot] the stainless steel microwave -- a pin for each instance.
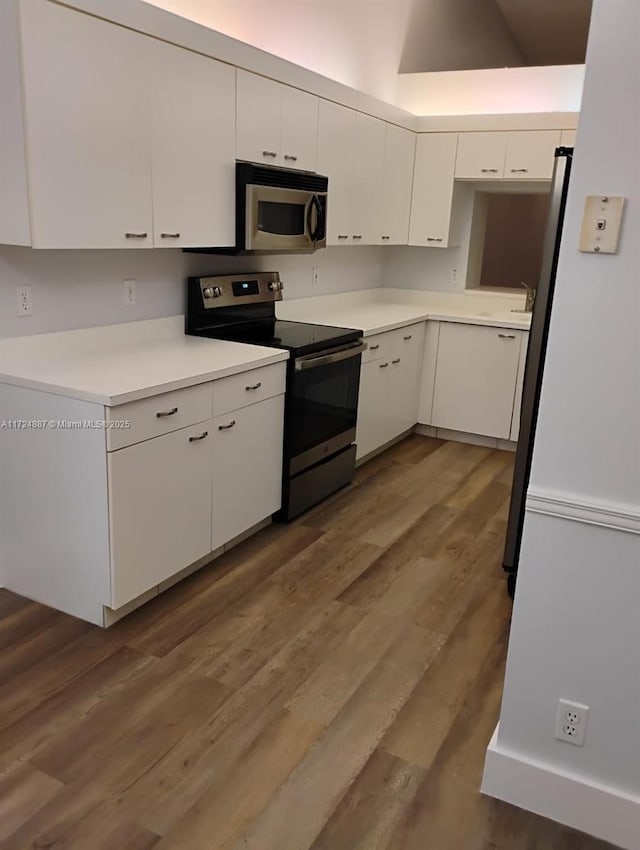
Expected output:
(279, 210)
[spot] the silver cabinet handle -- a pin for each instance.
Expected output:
(342, 236)
(409, 336)
(434, 238)
(136, 235)
(507, 336)
(170, 236)
(383, 365)
(357, 236)
(161, 413)
(519, 170)
(397, 360)
(374, 347)
(488, 170)
(269, 153)
(291, 157)
(226, 427)
(201, 437)
(254, 386)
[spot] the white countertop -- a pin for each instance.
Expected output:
(114, 364)
(376, 310)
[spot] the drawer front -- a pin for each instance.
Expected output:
(241, 390)
(378, 346)
(408, 343)
(157, 415)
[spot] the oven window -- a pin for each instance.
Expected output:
(323, 404)
(281, 218)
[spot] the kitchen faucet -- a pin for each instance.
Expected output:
(529, 300)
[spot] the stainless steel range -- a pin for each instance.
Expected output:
(323, 378)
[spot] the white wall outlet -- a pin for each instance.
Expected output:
(571, 722)
(601, 224)
(454, 275)
(130, 291)
(315, 277)
(23, 300)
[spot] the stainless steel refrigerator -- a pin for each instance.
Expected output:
(534, 367)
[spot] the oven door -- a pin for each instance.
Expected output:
(323, 405)
(283, 219)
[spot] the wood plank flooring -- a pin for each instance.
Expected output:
(327, 685)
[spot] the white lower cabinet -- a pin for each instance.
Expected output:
(159, 509)
(390, 388)
(475, 380)
(247, 468)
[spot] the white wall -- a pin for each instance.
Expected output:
(492, 91)
(356, 42)
(72, 289)
(576, 629)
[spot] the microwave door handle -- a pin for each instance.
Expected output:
(318, 233)
(310, 230)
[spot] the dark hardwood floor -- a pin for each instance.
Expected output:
(328, 685)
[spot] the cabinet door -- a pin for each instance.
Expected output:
(373, 426)
(193, 146)
(476, 379)
(299, 139)
(336, 152)
(530, 154)
(481, 156)
(433, 184)
(517, 404)
(159, 509)
(404, 377)
(369, 163)
(397, 182)
(87, 110)
(568, 138)
(258, 118)
(247, 468)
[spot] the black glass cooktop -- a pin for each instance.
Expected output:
(297, 337)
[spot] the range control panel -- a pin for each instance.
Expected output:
(225, 290)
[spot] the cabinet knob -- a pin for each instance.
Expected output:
(254, 386)
(409, 336)
(343, 236)
(434, 238)
(374, 347)
(170, 236)
(488, 170)
(201, 437)
(397, 360)
(227, 427)
(386, 237)
(162, 413)
(507, 336)
(136, 235)
(519, 170)
(291, 157)
(269, 153)
(357, 236)
(383, 365)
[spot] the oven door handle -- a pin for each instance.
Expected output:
(312, 361)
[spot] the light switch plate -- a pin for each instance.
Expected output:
(601, 224)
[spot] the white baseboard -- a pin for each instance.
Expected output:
(464, 437)
(571, 799)
(574, 506)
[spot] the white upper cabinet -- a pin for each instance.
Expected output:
(299, 138)
(516, 155)
(433, 185)
(88, 119)
(275, 124)
(193, 148)
(367, 179)
(481, 156)
(397, 182)
(530, 154)
(336, 156)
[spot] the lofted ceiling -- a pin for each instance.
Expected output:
(455, 35)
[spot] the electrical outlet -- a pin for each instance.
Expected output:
(571, 722)
(315, 281)
(454, 275)
(130, 291)
(23, 299)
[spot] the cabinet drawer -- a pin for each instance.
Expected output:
(241, 390)
(378, 346)
(160, 414)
